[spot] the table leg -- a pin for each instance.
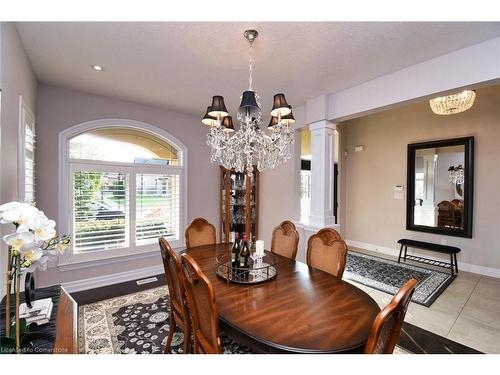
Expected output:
(456, 262)
(406, 250)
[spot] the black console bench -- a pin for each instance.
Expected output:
(445, 249)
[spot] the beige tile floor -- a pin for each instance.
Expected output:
(468, 311)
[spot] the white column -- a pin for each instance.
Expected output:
(322, 169)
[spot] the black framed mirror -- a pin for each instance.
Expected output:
(440, 180)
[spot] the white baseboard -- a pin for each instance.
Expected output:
(481, 270)
(114, 278)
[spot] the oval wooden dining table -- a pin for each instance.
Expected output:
(302, 310)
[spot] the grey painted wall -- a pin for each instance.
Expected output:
(59, 109)
(17, 78)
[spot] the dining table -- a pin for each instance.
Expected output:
(301, 310)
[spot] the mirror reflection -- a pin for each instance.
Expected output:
(439, 187)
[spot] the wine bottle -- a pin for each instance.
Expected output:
(235, 250)
(244, 255)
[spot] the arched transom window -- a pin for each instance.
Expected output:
(125, 191)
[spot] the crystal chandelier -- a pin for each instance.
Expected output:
(456, 174)
(456, 103)
(249, 145)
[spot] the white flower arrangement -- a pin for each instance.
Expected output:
(35, 240)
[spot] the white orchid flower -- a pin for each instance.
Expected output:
(32, 255)
(9, 209)
(18, 240)
(37, 220)
(43, 227)
(27, 213)
(9, 206)
(22, 228)
(9, 212)
(41, 264)
(19, 213)
(45, 233)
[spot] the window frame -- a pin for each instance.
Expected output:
(26, 117)
(68, 166)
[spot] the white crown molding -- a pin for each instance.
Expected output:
(462, 266)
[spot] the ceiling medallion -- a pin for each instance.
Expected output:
(249, 145)
(450, 104)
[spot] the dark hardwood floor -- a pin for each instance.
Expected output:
(413, 339)
(85, 297)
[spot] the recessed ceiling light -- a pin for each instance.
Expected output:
(98, 68)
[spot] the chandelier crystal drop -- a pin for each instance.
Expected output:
(450, 104)
(252, 144)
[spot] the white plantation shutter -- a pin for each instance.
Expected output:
(100, 211)
(157, 207)
(29, 164)
(27, 140)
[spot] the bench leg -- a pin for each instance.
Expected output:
(452, 265)
(406, 250)
(456, 263)
(400, 252)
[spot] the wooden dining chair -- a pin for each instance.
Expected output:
(179, 313)
(285, 241)
(200, 232)
(327, 251)
(204, 314)
(387, 325)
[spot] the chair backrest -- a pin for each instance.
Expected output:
(446, 208)
(204, 314)
(175, 280)
(285, 240)
(327, 251)
(200, 232)
(387, 325)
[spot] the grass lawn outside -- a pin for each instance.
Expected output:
(144, 200)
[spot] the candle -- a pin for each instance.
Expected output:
(259, 248)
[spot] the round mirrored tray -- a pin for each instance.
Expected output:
(261, 270)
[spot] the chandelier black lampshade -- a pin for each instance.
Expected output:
(207, 119)
(248, 104)
(288, 119)
(280, 106)
(218, 107)
(272, 122)
(227, 123)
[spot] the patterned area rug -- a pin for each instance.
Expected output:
(388, 276)
(138, 324)
(134, 323)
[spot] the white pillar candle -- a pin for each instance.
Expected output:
(259, 247)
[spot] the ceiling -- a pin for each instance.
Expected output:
(180, 65)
